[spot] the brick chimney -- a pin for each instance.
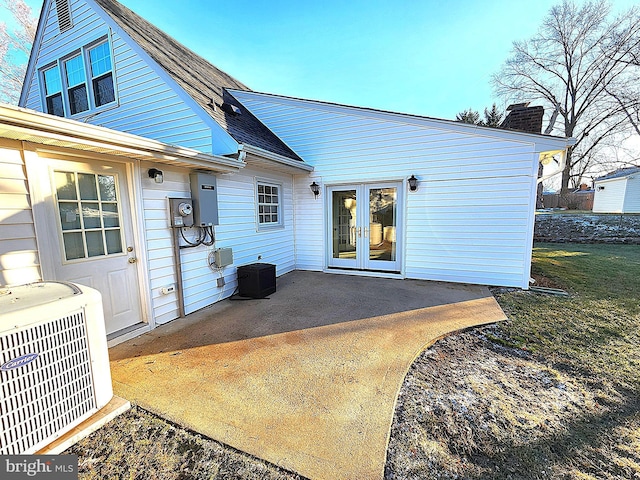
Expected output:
(524, 118)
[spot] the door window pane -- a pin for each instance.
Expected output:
(110, 215)
(382, 224)
(91, 215)
(65, 185)
(114, 241)
(87, 183)
(69, 218)
(73, 246)
(107, 188)
(344, 224)
(95, 245)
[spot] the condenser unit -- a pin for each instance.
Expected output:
(54, 363)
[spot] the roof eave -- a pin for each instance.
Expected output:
(35, 127)
(274, 157)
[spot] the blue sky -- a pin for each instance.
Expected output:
(427, 57)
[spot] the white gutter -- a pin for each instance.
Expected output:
(27, 125)
(289, 162)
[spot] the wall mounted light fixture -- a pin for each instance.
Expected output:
(315, 188)
(156, 175)
(413, 183)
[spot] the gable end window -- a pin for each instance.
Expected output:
(101, 76)
(79, 82)
(76, 85)
(53, 91)
(269, 204)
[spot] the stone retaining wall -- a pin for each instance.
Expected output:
(587, 228)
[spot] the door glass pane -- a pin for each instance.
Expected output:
(65, 185)
(73, 247)
(69, 218)
(114, 243)
(344, 224)
(382, 224)
(91, 215)
(87, 184)
(110, 215)
(95, 246)
(107, 188)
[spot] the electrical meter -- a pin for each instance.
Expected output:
(181, 211)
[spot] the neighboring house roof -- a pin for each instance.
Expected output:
(620, 173)
(204, 82)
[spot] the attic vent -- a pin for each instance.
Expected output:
(232, 109)
(64, 15)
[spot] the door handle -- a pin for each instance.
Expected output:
(132, 260)
(359, 232)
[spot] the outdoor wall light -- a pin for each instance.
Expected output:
(156, 175)
(413, 183)
(315, 188)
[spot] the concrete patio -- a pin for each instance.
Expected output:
(306, 379)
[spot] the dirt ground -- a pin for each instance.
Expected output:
(470, 407)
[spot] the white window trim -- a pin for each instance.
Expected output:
(88, 80)
(274, 225)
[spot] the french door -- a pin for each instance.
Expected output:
(364, 227)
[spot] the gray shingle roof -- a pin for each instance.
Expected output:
(204, 82)
(622, 172)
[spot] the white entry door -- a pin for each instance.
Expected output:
(364, 228)
(90, 235)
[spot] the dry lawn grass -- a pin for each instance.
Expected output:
(552, 393)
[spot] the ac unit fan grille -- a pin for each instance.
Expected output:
(41, 398)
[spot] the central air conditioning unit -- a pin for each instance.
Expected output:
(54, 363)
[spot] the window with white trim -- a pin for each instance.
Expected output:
(269, 204)
(80, 82)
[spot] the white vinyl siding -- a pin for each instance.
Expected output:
(618, 195)
(609, 195)
(19, 261)
(237, 230)
(632, 197)
(470, 219)
(146, 106)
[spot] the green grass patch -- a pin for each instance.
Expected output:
(594, 332)
(593, 336)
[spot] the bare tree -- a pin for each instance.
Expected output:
(15, 46)
(582, 63)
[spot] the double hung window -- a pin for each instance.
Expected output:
(53, 91)
(269, 204)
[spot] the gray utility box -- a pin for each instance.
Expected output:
(256, 280)
(204, 193)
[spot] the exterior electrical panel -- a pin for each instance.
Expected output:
(223, 257)
(204, 193)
